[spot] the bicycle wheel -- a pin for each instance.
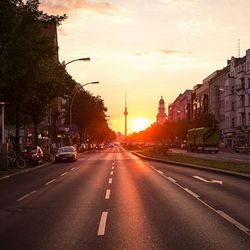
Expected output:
(20, 163)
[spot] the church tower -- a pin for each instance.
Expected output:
(161, 116)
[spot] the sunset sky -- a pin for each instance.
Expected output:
(147, 48)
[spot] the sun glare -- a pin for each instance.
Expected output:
(139, 124)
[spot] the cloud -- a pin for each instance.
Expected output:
(69, 6)
(168, 51)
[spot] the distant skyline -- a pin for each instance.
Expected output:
(148, 48)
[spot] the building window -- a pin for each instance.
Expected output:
(227, 105)
(248, 80)
(232, 106)
(233, 122)
(232, 90)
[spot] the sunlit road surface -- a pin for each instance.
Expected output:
(111, 199)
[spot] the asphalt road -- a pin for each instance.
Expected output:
(111, 199)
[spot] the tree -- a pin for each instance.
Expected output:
(23, 46)
(89, 114)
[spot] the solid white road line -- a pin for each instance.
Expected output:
(234, 222)
(107, 196)
(110, 180)
(49, 182)
(102, 225)
(64, 173)
(111, 173)
(26, 195)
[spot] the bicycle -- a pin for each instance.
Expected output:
(16, 160)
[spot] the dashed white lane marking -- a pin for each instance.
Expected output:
(111, 173)
(102, 225)
(107, 196)
(191, 192)
(49, 182)
(221, 213)
(160, 172)
(110, 180)
(234, 222)
(113, 163)
(64, 173)
(113, 167)
(72, 168)
(26, 195)
(171, 179)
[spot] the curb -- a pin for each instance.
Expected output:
(30, 169)
(181, 164)
(25, 170)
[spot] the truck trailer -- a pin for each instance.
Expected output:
(203, 140)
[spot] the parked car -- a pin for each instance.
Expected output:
(67, 153)
(33, 155)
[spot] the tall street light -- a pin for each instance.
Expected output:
(3, 136)
(79, 59)
(72, 101)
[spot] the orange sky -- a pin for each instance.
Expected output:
(147, 48)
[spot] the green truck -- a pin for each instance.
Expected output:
(203, 140)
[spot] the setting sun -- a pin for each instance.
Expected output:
(139, 124)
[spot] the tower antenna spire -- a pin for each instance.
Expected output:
(125, 115)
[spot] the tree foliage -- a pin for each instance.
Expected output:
(30, 76)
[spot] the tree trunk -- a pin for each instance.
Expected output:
(35, 133)
(17, 146)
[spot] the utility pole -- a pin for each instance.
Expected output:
(126, 114)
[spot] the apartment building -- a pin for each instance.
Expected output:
(237, 101)
(180, 108)
(226, 94)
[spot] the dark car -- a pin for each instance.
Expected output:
(33, 155)
(67, 153)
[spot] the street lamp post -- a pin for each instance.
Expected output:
(3, 135)
(72, 101)
(79, 59)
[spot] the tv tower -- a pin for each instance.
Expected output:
(126, 114)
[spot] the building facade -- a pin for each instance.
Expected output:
(161, 116)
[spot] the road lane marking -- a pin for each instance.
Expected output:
(102, 225)
(234, 222)
(64, 173)
(191, 192)
(26, 195)
(160, 172)
(113, 167)
(110, 180)
(72, 169)
(113, 163)
(207, 181)
(221, 213)
(171, 179)
(107, 196)
(111, 173)
(49, 182)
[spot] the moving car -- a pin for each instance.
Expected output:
(67, 153)
(33, 155)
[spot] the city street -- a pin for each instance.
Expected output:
(111, 199)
